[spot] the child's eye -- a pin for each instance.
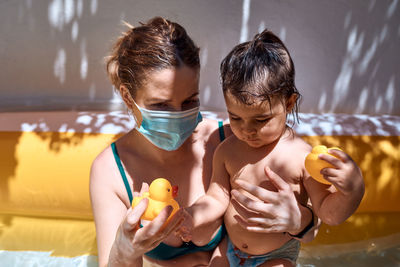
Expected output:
(234, 118)
(263, 120)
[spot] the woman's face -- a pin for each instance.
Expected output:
(174, 89)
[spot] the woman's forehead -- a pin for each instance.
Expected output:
(170, 83)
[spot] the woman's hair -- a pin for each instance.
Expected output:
(155, 45)
(259, 70)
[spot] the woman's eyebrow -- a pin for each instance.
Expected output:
(158, 100)
(193, 95)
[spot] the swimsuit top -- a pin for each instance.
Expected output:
(164, 251)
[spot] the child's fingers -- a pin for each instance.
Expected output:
(330, 172)
(153, 228)
(340, 154)
(155, 232)
(174, 223)
(331, 159)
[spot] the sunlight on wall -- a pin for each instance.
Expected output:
(203, 56)
(341, 86)
(74, 31)
(61, 13)
(391, 9)
(282, 34)
(59, 65)
(93, 7)
(245, 21)
(362, 61)
(206, 94)
(84, 60)
(261, 26)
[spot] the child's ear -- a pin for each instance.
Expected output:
(291, 101)
(130, 103)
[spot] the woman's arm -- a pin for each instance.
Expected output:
(108, 209)
(120, 241)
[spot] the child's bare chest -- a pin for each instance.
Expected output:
(252, 169)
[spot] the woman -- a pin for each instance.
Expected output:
(155, 68)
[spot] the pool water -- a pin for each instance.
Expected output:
(382, 252)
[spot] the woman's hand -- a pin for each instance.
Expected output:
(132, 241)
(276, 212)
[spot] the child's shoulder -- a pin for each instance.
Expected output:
(229, 144)
(294, 143)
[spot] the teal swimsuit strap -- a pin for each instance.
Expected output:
(121, 168)
(164, 251)
(221, 130)
(122, 171)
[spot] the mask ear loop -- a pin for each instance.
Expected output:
(136, 114)
(131, 105)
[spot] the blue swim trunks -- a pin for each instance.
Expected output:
(289, 251)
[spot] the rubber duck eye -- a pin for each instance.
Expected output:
(169, 189)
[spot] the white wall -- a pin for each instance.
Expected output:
(345, 52)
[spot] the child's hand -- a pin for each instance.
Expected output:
(346, 176)
(185, 231)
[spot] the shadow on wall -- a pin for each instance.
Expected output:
(364, 84)
(345, 53)
(57, 71)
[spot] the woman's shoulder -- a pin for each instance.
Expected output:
(103, 165)
(214, 130)
(103, 157)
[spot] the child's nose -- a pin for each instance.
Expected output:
(248, 128)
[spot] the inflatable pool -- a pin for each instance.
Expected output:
(45, 214)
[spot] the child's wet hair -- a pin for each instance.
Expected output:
(156, 45)
(259, 70)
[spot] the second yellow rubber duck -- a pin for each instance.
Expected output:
(314, 165)
(160, 195)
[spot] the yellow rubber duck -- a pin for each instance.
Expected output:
(314, 165)
(160, 195)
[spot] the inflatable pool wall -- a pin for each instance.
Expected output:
(44, 180)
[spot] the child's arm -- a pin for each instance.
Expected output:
(335, 203)
(210, 207)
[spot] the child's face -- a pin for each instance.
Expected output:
(259, 124)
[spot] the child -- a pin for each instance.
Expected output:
(259, 90)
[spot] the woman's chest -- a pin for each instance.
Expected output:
(190, 176)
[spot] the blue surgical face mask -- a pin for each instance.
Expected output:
(168, 130)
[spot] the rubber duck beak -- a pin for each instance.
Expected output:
(174, 191)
